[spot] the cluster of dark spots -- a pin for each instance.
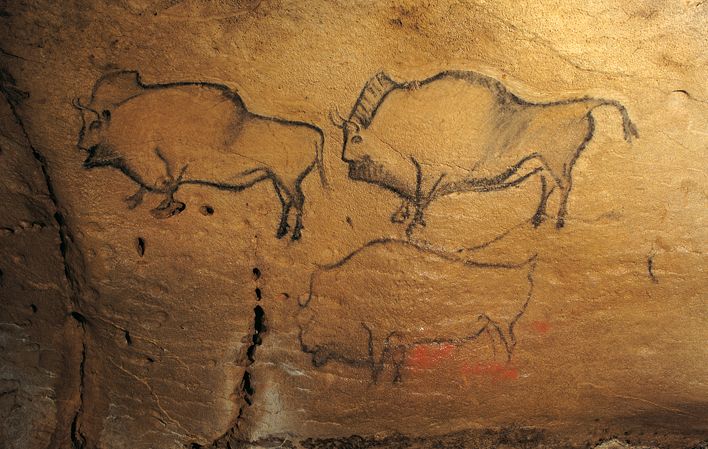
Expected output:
(408, 16)
(258, 329)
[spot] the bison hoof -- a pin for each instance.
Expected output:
(537, 220)
(560, 223)
(282, 230)
(133, 201)
(297, 234)
(170, 210)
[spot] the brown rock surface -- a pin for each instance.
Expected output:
(506, 248)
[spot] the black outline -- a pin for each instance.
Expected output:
(377, 89)
(102, 155)
(396, 352)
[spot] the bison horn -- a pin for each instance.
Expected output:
(338, 123)
(77, 104)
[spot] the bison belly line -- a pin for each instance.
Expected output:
(226, 186)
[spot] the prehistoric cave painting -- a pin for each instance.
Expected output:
(461, 131)
(163, 136)
(389, 297)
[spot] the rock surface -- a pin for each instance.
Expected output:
(183, 181)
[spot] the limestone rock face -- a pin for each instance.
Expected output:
(336, 224)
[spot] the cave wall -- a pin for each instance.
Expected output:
(153, 295)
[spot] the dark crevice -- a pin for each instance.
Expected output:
(247, 390)
(78, 441)
(78, 317)
(140, 246)
(128, 339)
(14, 97)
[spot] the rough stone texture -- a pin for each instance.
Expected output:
(182, 320)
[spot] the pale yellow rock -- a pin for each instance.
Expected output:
(195, 223)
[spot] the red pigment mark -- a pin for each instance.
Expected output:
(494, 370)
(427, 356)
(541, 327)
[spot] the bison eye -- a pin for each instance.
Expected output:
(95, 124)
(106, 114)
(357, 139)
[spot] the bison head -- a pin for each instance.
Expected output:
(374, 159)
(92, 136)
(371, 149)
(109, 92)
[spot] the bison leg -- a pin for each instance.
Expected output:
(563, 208)
(286, 204)
(136, 199)
(401, 214)
(540, 214)
(377, 351)
(298, 203)
(418, 220)
(169, 207)
(395, 350)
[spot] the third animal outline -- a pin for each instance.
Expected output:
(401, 296)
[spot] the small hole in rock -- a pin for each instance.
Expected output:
(127, 338)
(206, 210)
(78, 317)
(259, 295)
(256, 274)
(150, 359)
(34, 308)
(140, 246)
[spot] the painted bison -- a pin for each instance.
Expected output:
(462, 131)
(374, 306)
(163, 136)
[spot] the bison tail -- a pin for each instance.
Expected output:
(630, 129)
(628, 126)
